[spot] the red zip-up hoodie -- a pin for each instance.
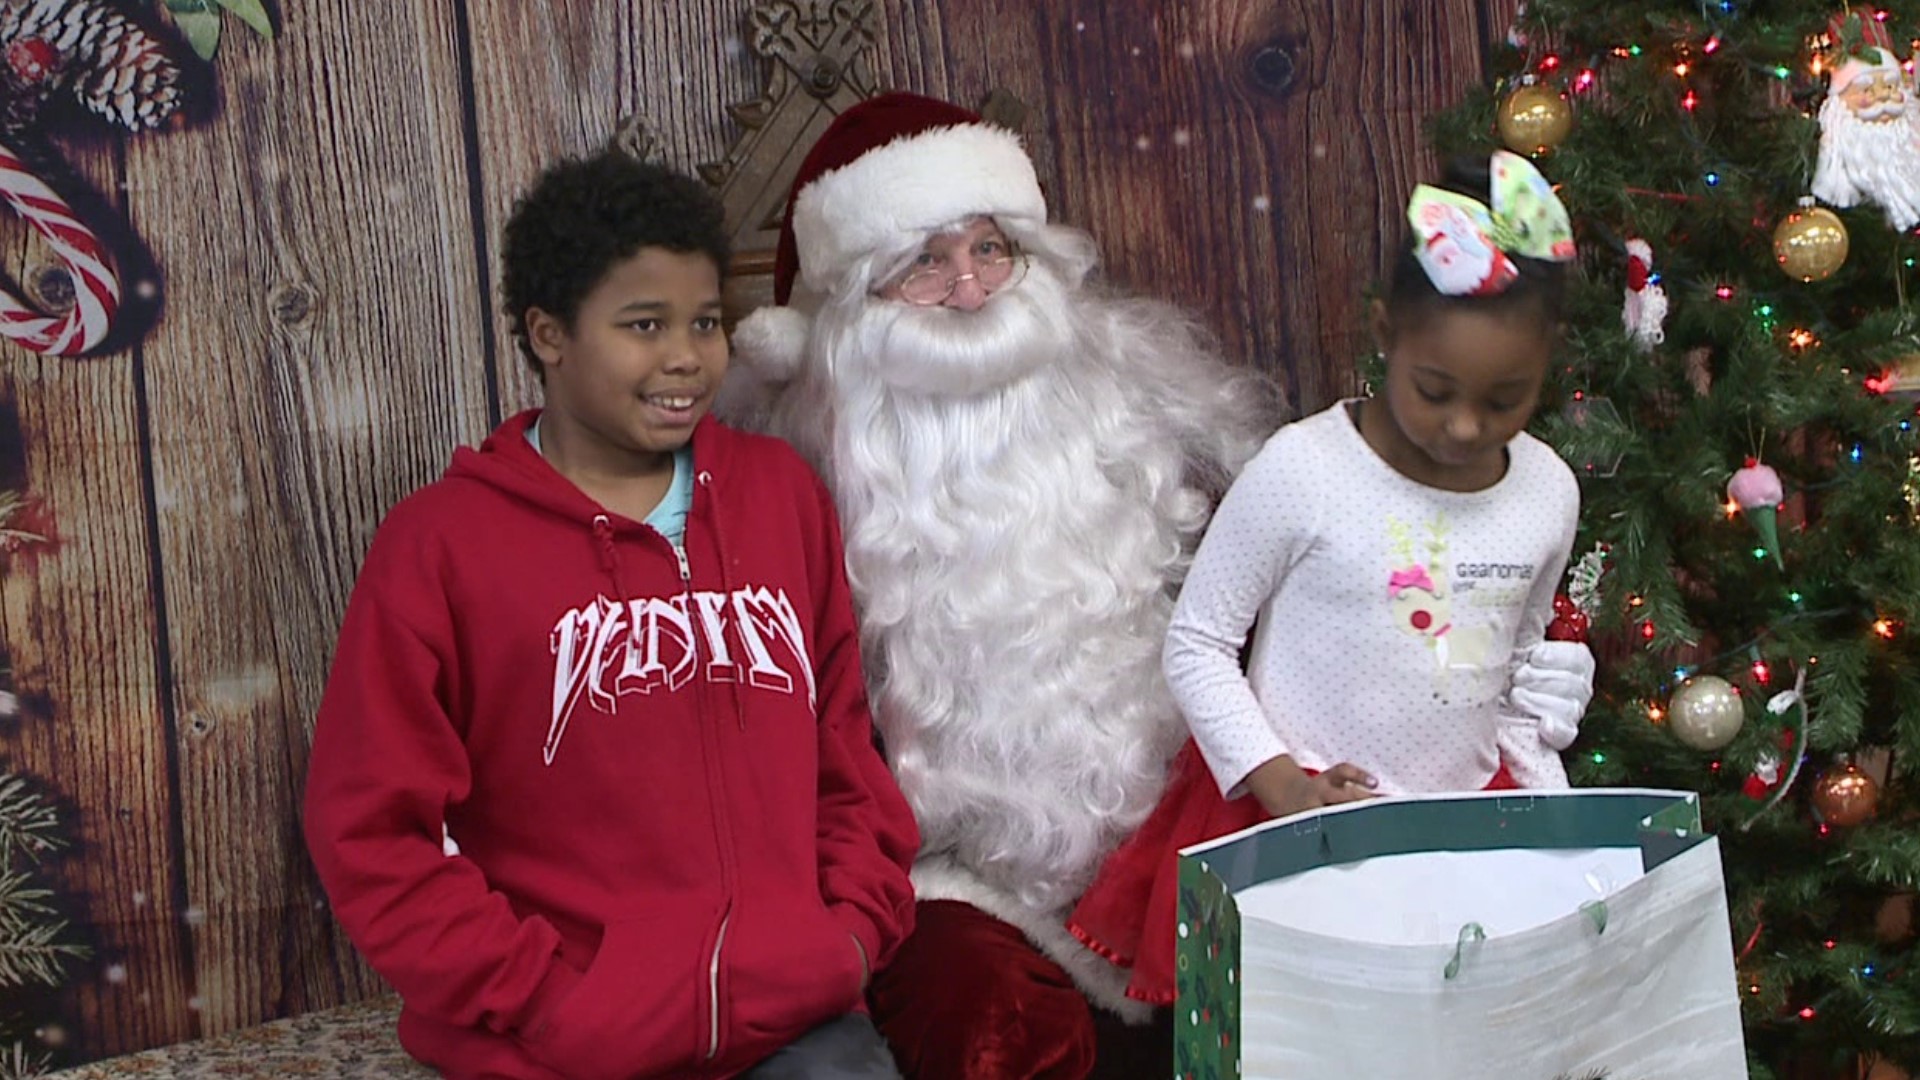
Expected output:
(659, 770)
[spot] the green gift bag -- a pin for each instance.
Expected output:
(1461, 937)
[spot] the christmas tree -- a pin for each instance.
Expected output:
(37, 946)
(1737, 390)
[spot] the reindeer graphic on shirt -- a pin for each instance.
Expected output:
(1420, 600)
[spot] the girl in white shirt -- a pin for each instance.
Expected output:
(1400, 554)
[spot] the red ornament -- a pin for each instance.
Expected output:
(1569, 623)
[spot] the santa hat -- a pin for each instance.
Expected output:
(891, 167)
(1873, 54)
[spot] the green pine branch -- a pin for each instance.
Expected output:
(12, 505)
(18, 1062)
(33, 948)
(29, 825)
(33, 937)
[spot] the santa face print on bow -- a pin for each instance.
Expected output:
(1465, 246)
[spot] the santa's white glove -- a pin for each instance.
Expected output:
(1554, 685)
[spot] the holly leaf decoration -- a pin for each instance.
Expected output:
(1853, 40)
(1851, 34)
(199, 20)
(253, 13)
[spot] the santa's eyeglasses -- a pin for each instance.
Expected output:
(934, 284)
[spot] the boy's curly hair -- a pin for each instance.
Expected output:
(582, 216)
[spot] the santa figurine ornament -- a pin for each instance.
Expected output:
(1770, 770)
(1644, 312)
(1869, 142)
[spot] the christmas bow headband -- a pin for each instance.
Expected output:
(1464, 245)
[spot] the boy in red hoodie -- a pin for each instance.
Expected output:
(610, 658)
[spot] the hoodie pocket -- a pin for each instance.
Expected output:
(790, 967)
(643, 1006)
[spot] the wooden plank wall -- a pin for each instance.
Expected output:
(1239, 157)
(324, 239)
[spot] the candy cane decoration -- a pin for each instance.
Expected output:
(96, 291)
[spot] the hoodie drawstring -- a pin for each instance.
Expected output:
(705, 480)
(610, 565)
(609, 556)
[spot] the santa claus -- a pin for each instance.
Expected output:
(1869, 128)
(1023, 462)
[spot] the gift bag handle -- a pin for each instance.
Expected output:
(1471, 934)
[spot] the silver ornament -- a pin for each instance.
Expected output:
(1706, 712)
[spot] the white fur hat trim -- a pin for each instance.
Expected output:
(910, 186)
(1852, 68)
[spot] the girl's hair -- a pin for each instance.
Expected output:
(1537, 293)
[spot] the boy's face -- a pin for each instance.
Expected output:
(644, 358)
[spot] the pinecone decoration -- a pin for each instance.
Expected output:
(90, 48)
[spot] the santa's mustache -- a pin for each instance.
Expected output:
(946, 352)
(1886, 110)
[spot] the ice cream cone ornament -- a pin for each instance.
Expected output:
(1756, 490)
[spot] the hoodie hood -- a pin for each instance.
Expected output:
(508, 463)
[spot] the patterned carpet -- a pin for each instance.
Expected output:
(354, 1042)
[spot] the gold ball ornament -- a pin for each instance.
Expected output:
(1845, 796)
(1810, 244)
(1706, 712)
(1534, 119)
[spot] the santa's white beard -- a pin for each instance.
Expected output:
(1872, 161)
(1016, 523)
